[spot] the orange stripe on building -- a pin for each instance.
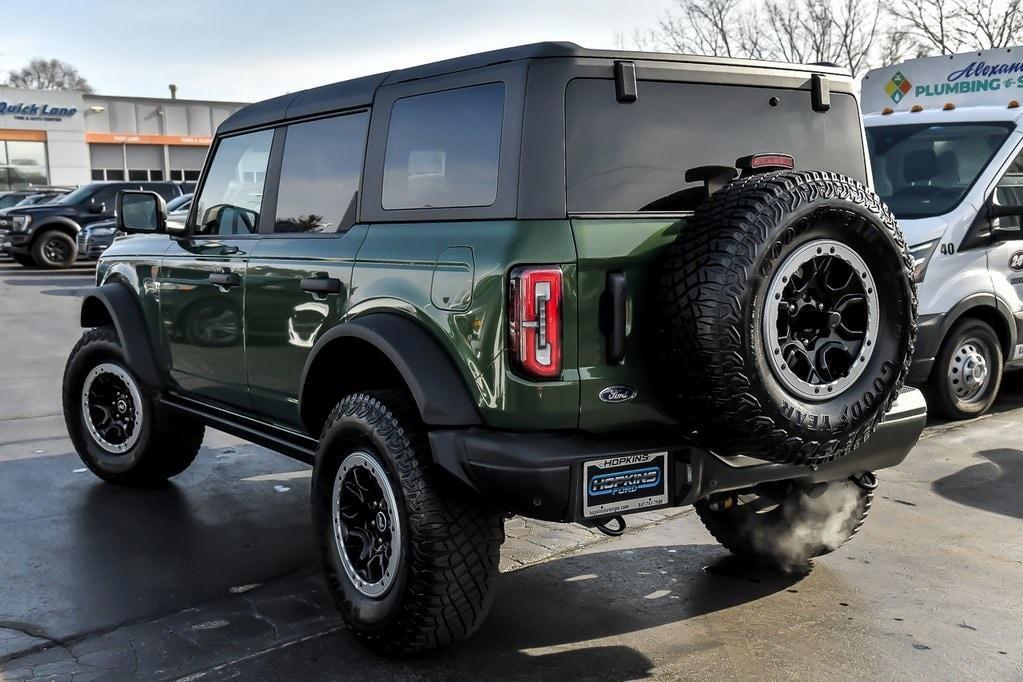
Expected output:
(12, 135)
(123, 138)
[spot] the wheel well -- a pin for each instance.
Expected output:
(995, 320)
(95, 313)
(347, 365)
(67, 229)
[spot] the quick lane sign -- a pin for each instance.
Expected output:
(36, 112)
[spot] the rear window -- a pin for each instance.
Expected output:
(443, 149)
(628, 157)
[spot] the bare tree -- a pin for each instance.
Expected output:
(843, 31)
(929, 25)
(983, 24)
(48, 74)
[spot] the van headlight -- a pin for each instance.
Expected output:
(921, 254)
(20, 223)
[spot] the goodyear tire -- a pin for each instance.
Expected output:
(116, 424)
(784, 523)
(410, 555)
(788, 317)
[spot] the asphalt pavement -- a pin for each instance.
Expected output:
(215, 575)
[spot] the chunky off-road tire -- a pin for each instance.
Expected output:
(23, 259)
(967, 372)
(116, 424)
(784, 523)
(742, 247)
(54, 249)
(433, 547)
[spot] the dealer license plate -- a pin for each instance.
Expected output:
(615, 485)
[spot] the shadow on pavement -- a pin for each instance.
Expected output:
(991, 485)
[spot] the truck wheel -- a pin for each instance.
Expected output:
(410, 556)
(54, 249)
(784, 523)
(788, 317)
(967, 372)
(116, 424)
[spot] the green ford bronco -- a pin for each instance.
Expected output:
(560, 283)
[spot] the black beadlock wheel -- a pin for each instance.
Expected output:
(788, 317)
(410, 554)
(785, 523)
(116, 424)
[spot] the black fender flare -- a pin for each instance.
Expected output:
(62, 223)
(435, 382)
(986, 301)
(117, 304)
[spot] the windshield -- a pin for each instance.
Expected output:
(178, 203)
(77, 196)
(925, 170)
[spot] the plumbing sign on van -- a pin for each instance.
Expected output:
(964, 79)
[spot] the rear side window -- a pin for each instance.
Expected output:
(231, 196)
(628, 157)
(443, 149)
(320, 173)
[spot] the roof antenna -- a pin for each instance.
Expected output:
(174, 91)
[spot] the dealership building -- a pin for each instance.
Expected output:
(50, 137)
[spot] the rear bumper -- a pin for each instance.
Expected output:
(539, 475)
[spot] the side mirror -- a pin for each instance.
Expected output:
(996, 211)
(141, 212)
(99, 208)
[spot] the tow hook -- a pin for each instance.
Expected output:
(867, 480)
(606, 529)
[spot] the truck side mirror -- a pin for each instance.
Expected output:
(1004, 232)
(141, 212)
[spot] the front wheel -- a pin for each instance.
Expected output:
(54, 249)
(967, 372)
(117, 425)
(409, 554)
(785, 523)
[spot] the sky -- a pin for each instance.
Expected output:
(247, 51)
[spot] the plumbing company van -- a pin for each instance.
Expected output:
(947, 157)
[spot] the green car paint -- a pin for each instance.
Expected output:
(246, 347)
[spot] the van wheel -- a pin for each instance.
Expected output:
(116, 425)
(54, 249)
(967, 372)
(785, 523)
(409, 554)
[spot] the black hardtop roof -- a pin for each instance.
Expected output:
(359, 92)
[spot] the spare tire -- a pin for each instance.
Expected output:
(788, 317)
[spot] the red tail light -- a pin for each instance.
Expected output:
(534, 315)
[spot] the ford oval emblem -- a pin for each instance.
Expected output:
(617, 394)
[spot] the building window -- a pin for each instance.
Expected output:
(110, 174)
(192, 176)
(143, 175)
(22, 164)
(98, 174)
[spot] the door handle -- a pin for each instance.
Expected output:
(225, 279)
(617, 293)
(321, 285)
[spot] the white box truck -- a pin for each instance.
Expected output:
(947, 156)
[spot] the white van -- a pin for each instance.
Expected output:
(947, 157)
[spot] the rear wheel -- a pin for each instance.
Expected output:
(409, 554)
(967, 372)
(785, 523)
(54, 249)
